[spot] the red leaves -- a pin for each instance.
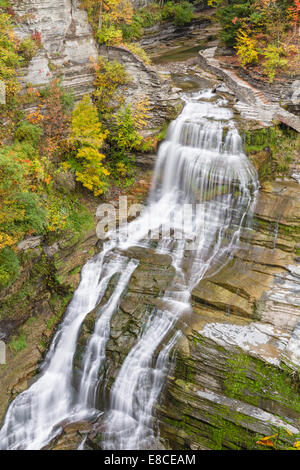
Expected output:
(37, 37)
(295, 12)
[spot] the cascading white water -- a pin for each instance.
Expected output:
(196, 165)
(203, 189)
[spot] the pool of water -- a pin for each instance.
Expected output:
(177, 54)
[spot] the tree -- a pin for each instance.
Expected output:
(116, 11)
(88, 138)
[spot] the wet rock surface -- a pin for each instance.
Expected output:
(234, 377)
(34, 305)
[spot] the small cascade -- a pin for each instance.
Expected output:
(202, 196)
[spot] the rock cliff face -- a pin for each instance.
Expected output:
(36, 303)
(235, 376)
(145, 82)
(67, 47)
(67, 43)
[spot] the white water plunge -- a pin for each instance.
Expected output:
(202, 164)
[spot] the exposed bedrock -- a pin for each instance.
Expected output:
(68, 49)
(67, 43)
(234, 378)
(145, 82)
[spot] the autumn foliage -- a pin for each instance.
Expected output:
(263, 32)
(88, 137)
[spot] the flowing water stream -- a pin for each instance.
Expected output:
(202, 197)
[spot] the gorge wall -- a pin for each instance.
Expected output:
(235, 373)
(67, 43)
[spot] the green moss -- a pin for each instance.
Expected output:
(217, 429)
(9, 267)
(291, 232)
(252, 381)
(77, 269)
(272, 150)
(18, 343)
(190, 418)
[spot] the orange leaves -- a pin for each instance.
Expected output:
(274, 441)
(294, 12)
(35, 117)
(267, 441)
(47, 180)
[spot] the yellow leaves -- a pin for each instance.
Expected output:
(118, 11)
(86, 127)
(267, 441)
(214, 3)
(7, 240)
(56, 219)
(141, 113)
(109, 76)
(121, 169)
(288, 432)
(88, 135)
(65, 166)
(139, 52)
(92, 179)
(246, 48)
(90, 155)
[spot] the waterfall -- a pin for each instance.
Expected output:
(202, 193)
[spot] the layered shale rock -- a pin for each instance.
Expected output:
(66, 40)
(235, 376)
(145, 82)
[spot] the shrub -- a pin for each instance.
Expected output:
(9, 267)
(55, 119)
(273, 60)
(180, 13)
(88, 137)
(134, 30)
(28, 132)
(10, 60)
(246, 48)
(109, 77)
(232, 18)
(109, 34)
(28, 49)
(21, 209)
(124, 133)
(29, 205)
(140, 52)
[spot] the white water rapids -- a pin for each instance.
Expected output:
(202, 194)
